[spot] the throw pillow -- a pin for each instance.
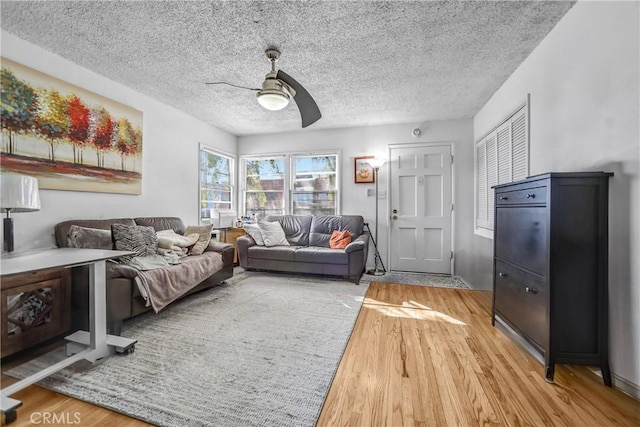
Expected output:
(204, 233)
(339, 239)
(142, 241)
(273, 234)
(90, 238)
(169, 239)
(253, 230)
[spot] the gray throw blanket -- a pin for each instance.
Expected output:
(162, 286)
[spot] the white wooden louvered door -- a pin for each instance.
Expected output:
(501, 157)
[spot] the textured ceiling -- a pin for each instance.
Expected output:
(363, 62)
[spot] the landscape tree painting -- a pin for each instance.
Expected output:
(68, 137)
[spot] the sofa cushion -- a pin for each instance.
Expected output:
(273, 234)
(296, 227)
(322, 226)
(91, 238)
(317, 255)
(279, 253)
(162, 223)
(62, 228)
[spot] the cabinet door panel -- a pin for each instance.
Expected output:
(522, 298)
(521, 237)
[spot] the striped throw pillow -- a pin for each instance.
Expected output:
(140, 240)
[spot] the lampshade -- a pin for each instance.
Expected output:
(376, 162)
(19, 193)
(273, 100)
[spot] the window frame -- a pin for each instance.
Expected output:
(485, 228)
(289, 159)
(232, 178)
(243, 185)
(292, 191)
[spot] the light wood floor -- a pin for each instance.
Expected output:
(422, 356)
(429, 356)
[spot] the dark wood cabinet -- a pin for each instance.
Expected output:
(550, 266)
(35, 308)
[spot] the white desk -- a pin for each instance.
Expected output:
(93, 345)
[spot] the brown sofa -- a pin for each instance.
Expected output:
(123, 298)
(309, 250)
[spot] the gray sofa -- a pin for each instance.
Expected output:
(309, 251)
(123, 297)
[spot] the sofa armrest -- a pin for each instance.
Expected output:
(359, 244)
(115, 271)
(224, 249)
(216, 246)
(243, 243)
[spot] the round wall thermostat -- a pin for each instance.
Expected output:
(417, 132)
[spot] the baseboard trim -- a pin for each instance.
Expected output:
(464, 281)
(626, 386)
(622, 384)
(619, 383)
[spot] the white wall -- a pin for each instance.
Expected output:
(374, 140)
(170, 156)
(584, 85)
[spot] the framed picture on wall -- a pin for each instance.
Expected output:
(362, 170)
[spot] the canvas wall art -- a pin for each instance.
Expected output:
(68, 137)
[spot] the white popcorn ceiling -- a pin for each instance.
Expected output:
(365, 63)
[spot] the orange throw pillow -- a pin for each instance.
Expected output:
(340, 239)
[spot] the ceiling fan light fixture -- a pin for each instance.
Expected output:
(273, 100)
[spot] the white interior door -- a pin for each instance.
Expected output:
(421, 209)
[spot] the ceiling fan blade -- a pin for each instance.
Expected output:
(232, 85)
(309, 110)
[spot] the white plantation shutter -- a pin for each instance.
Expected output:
(504, 153)
(481, 179)
(501, 156)
(492, 175)
(520, 144)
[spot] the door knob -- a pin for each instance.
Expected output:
(531, 290)
(502, 274)
(395, 211)
(395, 217)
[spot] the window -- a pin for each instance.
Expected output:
(501, 156)
(264, 186)
(302, 184)
(216, 182)
(314, 185)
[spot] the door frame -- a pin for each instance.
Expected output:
(452, 145)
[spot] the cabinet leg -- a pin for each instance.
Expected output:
(606, 374)
(10, 416)
(549, 373)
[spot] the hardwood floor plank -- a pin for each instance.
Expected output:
(454, 368)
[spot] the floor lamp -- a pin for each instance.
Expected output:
(376, 164)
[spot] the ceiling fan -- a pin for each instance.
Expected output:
(277, 90)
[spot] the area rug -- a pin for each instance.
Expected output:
(402, 278)
(260, 350)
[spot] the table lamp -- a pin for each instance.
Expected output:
(19, 193)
